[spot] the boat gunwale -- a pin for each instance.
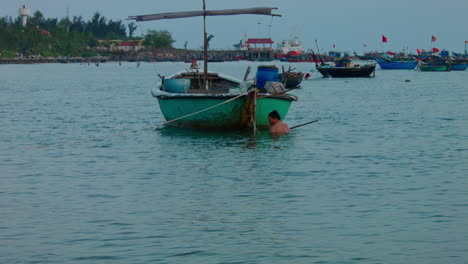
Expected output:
(355, 68)
(220, 75)
(165, 95)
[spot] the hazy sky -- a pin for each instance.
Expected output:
(349, 24)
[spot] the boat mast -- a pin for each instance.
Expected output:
(318, 54)
(205, 49)
(205, 13)
(316, 44)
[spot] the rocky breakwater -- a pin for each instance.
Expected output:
(30, 60)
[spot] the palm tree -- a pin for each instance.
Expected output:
(208, 39)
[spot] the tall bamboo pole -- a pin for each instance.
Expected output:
(205, 49)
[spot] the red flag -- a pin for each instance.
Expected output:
(390, 53)
(418, 51)
(433, 39)
(435, 49)
(384, 38)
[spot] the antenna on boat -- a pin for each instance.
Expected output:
(269, 26)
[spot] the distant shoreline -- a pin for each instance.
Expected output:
(50, 60)
(150, 56)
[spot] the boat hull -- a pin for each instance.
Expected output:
(234, 114)
(459, 67)
(432, 68)
(397, 65)
(347, 72)
(291, 80)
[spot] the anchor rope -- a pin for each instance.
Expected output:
(136, 130)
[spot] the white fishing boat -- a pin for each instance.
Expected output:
(291, 46)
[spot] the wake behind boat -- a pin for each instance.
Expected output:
(211, 100)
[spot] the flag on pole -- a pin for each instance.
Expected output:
(384, 38)
(435, 49)
(433, 39)
(418, 51)
(466, 41)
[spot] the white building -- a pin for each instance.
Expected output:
(24, 13)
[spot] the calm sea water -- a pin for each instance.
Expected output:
(381, 178)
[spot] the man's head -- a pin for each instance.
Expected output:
(273, 117)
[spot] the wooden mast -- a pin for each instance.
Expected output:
(205, 13)
(205, 49)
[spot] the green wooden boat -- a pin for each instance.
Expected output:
(227, 104)
(212, 100)
(426, 67)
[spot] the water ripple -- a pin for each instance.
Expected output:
(380, 179)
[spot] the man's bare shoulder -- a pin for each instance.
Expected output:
(280, 128)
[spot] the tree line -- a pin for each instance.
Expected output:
(69, 37)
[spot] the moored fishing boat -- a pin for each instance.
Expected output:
(426, 67)
(346, 69)
(291, 78)
(434, 63)
(459, 64)
(343, 68)
(396, 64)
(211, 100)
(459, 67)
(346, 72)
(228, 104)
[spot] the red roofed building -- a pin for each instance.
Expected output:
(128, 46)
(259, 43)
(44, 32)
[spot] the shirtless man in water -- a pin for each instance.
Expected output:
(277, 128)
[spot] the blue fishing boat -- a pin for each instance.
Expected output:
(459, 64)
(396, 64)
(459, 67)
